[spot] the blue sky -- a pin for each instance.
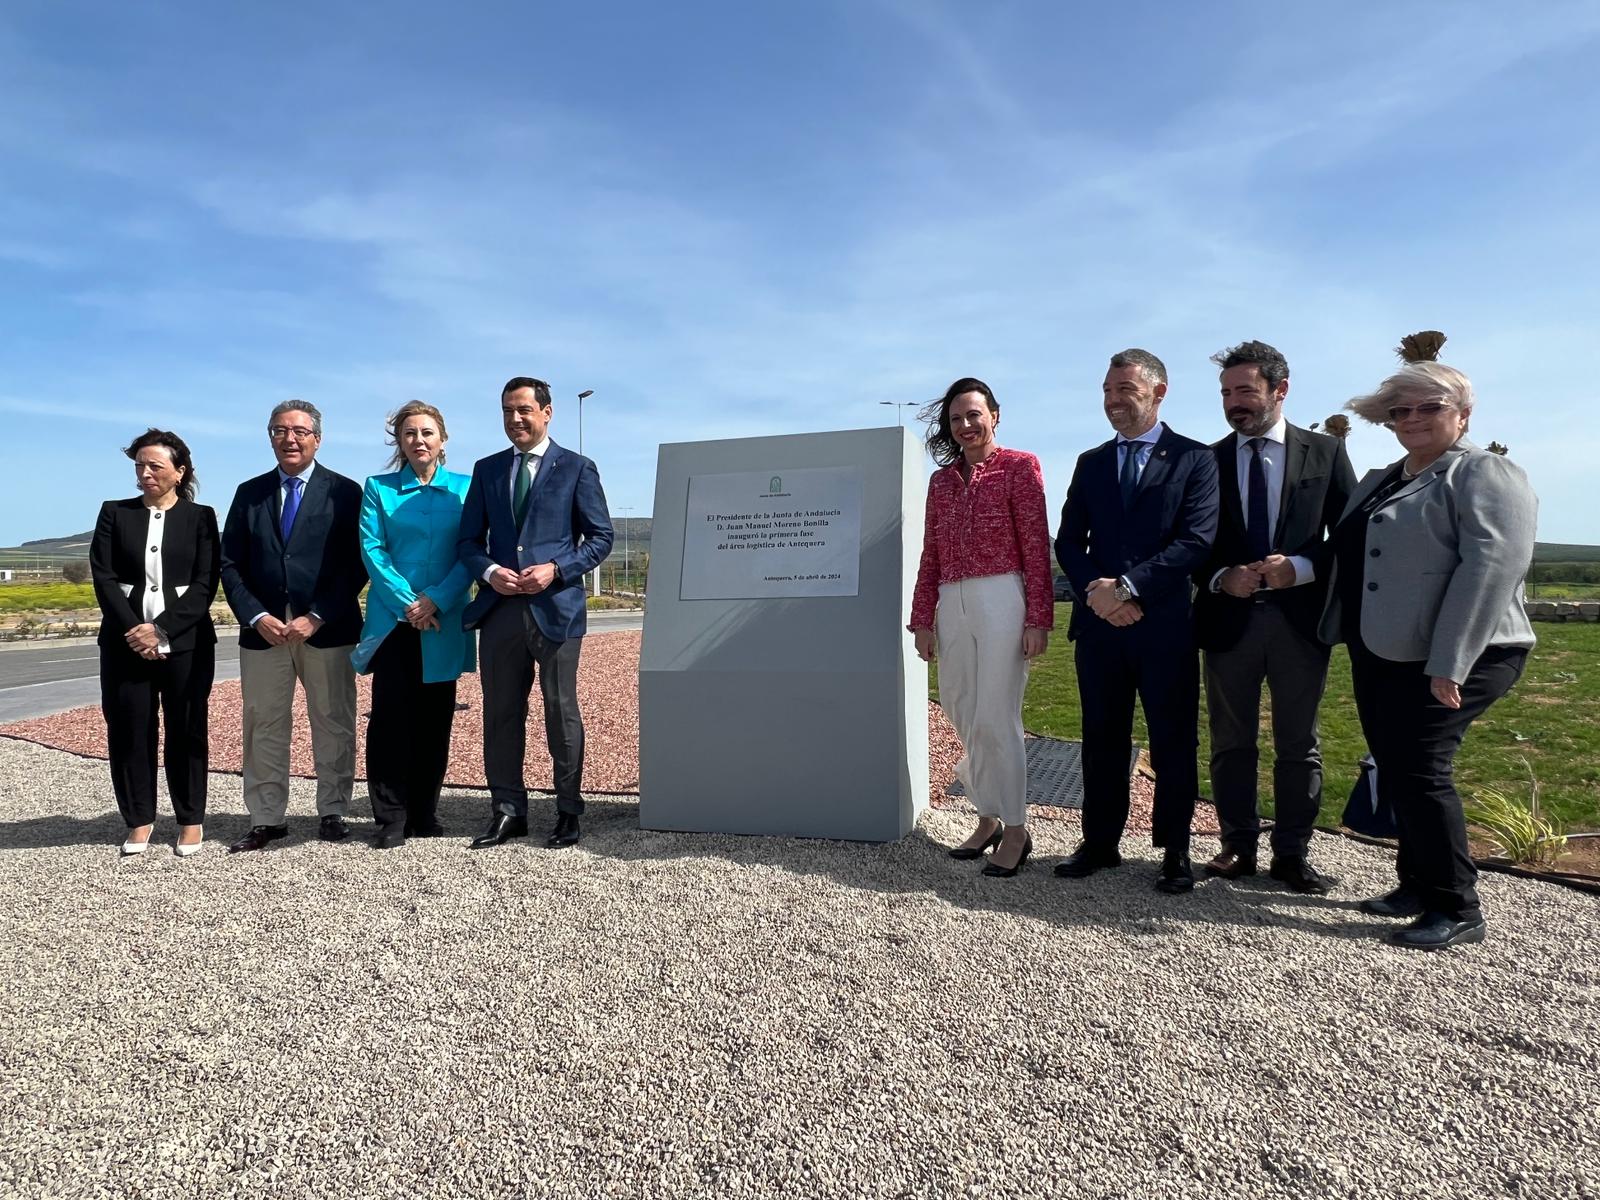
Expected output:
(733, 218)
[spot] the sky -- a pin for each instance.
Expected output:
(735, 219)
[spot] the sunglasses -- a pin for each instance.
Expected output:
(1432, 408)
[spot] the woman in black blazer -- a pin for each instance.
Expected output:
(155, 562)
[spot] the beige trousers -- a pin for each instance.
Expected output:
(982, 674)
(266, 680)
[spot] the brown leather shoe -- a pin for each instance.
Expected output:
(1231, 864)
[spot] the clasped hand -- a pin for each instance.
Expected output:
(530, 581)
(1104, 604)
(1273, 571)
(278, 633)
(145, 641)
(422, 614)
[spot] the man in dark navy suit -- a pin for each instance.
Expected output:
(534, 524)
(1140, 517)
(292, 572)
(1261, 595)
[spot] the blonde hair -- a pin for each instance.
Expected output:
(397, 420)
(1419, 382)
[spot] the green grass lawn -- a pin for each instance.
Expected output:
(1551, 718)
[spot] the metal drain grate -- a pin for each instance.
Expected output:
(1055, 773)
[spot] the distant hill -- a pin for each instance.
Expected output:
(1545, 552)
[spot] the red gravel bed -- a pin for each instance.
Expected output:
(608, 691)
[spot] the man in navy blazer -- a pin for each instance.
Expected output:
(1140, 517)
(534, 524)
(292, 572)
(1261, 594)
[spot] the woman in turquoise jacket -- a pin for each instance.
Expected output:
(413, 643)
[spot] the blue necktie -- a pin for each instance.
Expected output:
(1130, 472)
(1256, 523)
(291, 505)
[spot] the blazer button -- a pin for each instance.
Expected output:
(1375, 553)
(1372, 587)
(1378, 520)
(519, 549)
(155, 549)
(154, 588)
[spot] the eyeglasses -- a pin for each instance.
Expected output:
(282, 433)
(1431, 408)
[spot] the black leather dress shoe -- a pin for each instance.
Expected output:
(968, 853)
(1177, 876)
(995, 870)
(259, 838)
(1438, 931)
(1232, 864)
(332, 828)
(565, 833)
(1086, 860)
(389, 840)
(501, 830)
(427, 827)
(1398, 903)
(1301, 876)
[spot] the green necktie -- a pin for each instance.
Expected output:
(519, 502)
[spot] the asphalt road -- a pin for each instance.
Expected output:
(39, 678)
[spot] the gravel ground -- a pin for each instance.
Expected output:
(673, 1015)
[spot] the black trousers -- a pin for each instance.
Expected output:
(137, 696)
(1294, 668)
(510, 650)
(1154, 660)
(1414, 739)
(408, 734)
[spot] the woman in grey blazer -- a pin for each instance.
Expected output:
(1426, 592)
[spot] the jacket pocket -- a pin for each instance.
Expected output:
(127, 589)
(180, 589)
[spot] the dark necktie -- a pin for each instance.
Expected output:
(1256, 522)
(291, 505)
(1130, 472)
(519, 502)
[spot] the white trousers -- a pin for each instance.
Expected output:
(266, 681)
(982, 674)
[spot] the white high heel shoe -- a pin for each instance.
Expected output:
(190, 849)
(130, 848)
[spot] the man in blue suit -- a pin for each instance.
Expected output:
(1140, 517)
(533, 525)
(292, 571)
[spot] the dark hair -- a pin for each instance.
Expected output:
(1274, 367)
(1147, 364)
(176, 450)
(541, 389)
(413, 408)
(941, 442)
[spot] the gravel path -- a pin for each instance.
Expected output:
(672, 1015)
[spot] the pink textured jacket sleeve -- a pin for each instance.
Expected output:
(1031, 520)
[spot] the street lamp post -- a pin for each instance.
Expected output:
(899, 407)
(626, 577)
(582, 396)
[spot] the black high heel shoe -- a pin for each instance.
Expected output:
(967, 853)
(999, 872)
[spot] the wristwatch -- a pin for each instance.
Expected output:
(1122, 591)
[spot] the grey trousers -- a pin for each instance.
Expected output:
(266, 682)
(510, 649)
(1295, 670)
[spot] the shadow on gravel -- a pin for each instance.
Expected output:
(1124, 898)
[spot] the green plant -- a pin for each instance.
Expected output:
(1517, 830)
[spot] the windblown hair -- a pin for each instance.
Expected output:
(1268, 360)
(942, 444)
(177, 450)
(304, 406)
(1418, 382)
(397, 419)
(1147, 364)
(541, 389)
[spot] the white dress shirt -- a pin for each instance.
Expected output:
(1274, 461)
(537, 451)
(1141, 447)
(155, 599)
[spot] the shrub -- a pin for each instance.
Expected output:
(1516, 830)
